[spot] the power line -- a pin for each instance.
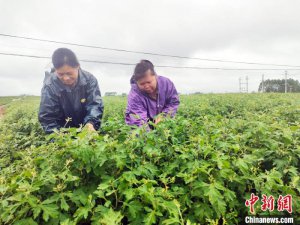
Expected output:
(23, 55)
(133, 64)
(141, 52)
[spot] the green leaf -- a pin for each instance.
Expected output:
(79, 197)
(111, 217)
(49, 210)
(134, 208)
(219, 186)
(216, 199)
(67, 222)
(100, 194)
(36, 211)
(229, 195)
(203, 211)
(171, 221)
(129, 194)
(171, 207)
(27, 221)
(103, 186)
(81, 212)
(242, 165)
(150, 218)
(63, 204)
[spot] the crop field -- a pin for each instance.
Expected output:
(6, 100)
(198, 168)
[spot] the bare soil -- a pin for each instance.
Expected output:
(2, 110)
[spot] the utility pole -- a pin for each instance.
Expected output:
(246, 84)
(285, 86)
(262, 84)
(243, 85)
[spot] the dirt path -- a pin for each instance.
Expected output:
(2, 110)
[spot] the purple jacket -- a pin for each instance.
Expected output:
(141, 108)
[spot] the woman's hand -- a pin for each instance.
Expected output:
(89, 127)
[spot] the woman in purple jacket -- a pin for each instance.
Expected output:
(151, 96)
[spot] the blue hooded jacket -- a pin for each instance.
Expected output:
(62, 106)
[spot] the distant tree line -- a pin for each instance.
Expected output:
(114, 94)
(277, 85)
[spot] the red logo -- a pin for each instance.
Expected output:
(268, 203)
(251, 202)
(283, 203)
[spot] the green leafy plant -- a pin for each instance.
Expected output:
(198, 168)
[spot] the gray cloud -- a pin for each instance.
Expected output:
(255, 31)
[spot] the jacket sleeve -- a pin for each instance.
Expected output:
(136, 112)
(172, 101)
(50, 112)
(94, 106)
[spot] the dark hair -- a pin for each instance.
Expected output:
(141, 68)
(64, 56)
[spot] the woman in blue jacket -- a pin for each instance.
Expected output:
(70, 95)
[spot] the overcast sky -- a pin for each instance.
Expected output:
(262, 31)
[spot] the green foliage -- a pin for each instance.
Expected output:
(6, 100)
(198, 168)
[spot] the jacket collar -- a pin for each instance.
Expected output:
(81, 78)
